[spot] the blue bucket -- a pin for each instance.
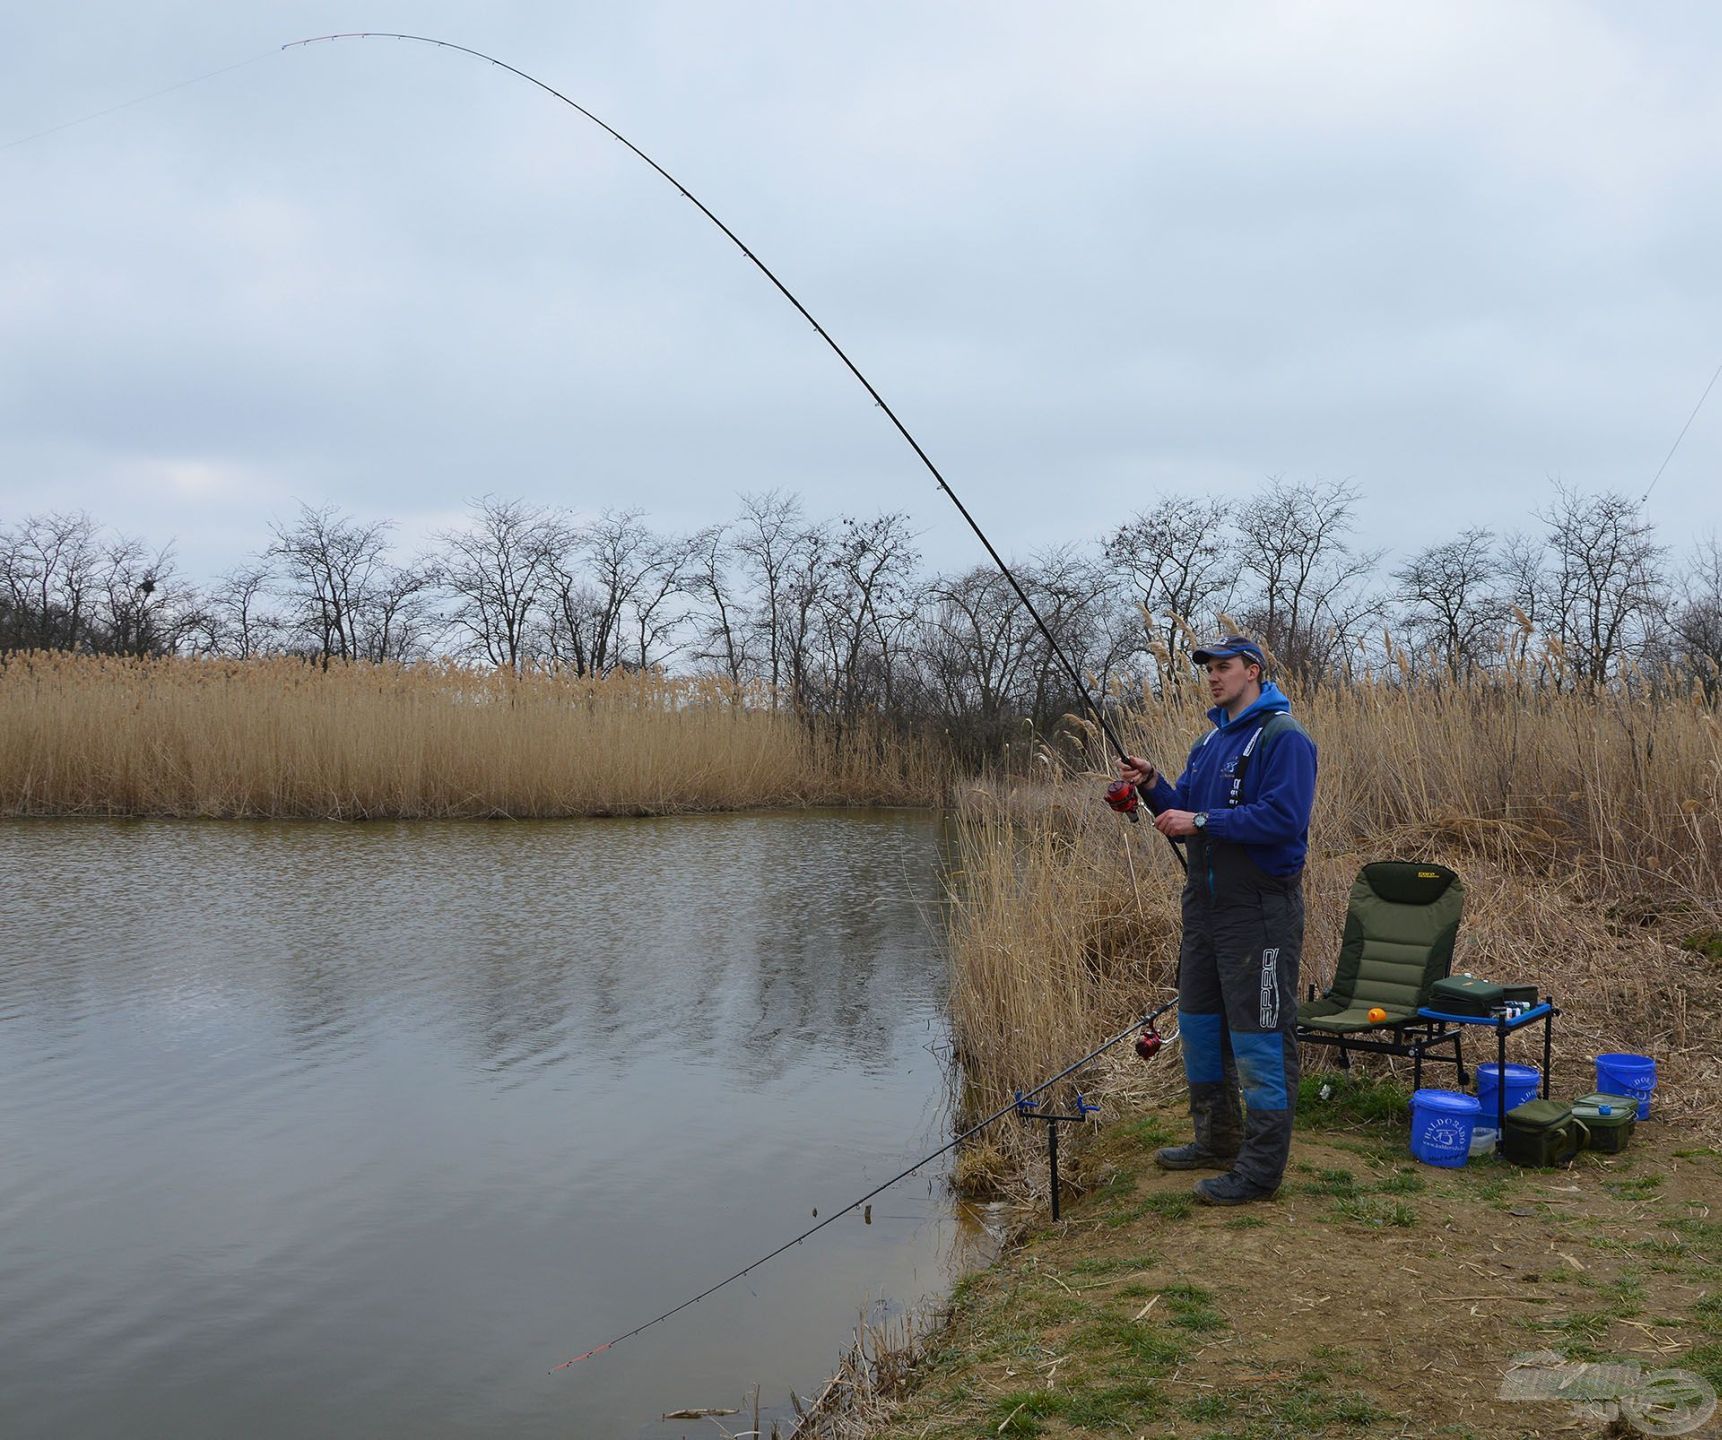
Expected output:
(1524, 1082)
(1622, 1074)
(1441, 1126)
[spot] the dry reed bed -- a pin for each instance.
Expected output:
(284, 739)
(1586, 827)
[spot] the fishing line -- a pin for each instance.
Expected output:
(139, 100)
(1678, 438)
(878, 399)
(970, 1133)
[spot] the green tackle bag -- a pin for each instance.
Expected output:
(1542, 1133)
(1464, 995)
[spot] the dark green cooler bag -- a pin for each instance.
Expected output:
(1608, 1132)
(1542, 1133)
(1464, 995)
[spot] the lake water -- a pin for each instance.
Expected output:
(359, 1130)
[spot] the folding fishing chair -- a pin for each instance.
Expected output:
(1400, 925)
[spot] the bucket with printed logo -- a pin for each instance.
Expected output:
(1441, 1125)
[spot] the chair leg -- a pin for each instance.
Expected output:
(1459, 1057)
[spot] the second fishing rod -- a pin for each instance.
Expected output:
(1065, 663)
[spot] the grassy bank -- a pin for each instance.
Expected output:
(278, 738)
(1374, 1296)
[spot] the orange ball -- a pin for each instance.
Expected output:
(1377, 1015)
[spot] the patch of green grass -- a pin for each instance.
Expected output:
(1623, 1296)
(1704, 1236)
(1635, 1188)
(1192, 1308)
(1024, 1412)
(1351, 1100)
(1585, 1327)
(1493, 1187)
(1329, 1182)
(1112, 1264)
(1379, 1147)
(1707, 943)
(1148, 1131)
(1246, 1222)
(1148, 1350)
(1305, 1406)
(1216, 1406)
(1705, 1360)
(1373, 1210)
(1170, 1204)
(1021, 1411)
(1058, 1307)
(1707, 1152)
(1404, 1182)
(1117, 1185)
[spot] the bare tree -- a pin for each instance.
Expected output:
(600, 585)
(1450, 599)
(397, 615)
(1603, 575)
(501, 570)
(768, 537)
(808, 585)
(49, 570)
(977, 646)
(723, 631)
(1180, 557)
(1696, 617)
(868, 609)
(1309, 601)
(235, 619)
(145, 609)
(347, 601)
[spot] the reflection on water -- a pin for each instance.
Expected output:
(357, 1130)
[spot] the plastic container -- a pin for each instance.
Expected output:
(1623, 1074)
(1608, 1120)
(1442, 1122)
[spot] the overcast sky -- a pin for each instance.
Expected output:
(1088, 251)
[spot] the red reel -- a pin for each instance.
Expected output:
(1121, 796)
(1148, 1043)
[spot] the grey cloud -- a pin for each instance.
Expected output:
(1086, 252)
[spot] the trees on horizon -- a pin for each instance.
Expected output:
(840, 616)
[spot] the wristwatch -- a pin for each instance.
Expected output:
(1200, 821)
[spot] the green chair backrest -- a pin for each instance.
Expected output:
(1400, 925)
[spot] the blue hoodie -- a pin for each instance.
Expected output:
(1271, 818)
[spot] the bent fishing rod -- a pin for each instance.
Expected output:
(1147, 1046)
(1064, 661)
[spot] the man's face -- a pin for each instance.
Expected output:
(1230, 677)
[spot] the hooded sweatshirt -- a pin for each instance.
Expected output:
(1271, 818)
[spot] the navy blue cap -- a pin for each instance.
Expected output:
(1232, 645)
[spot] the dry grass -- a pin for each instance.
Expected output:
(1588, 830)
(280, 738)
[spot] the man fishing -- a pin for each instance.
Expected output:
(1242, 808)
